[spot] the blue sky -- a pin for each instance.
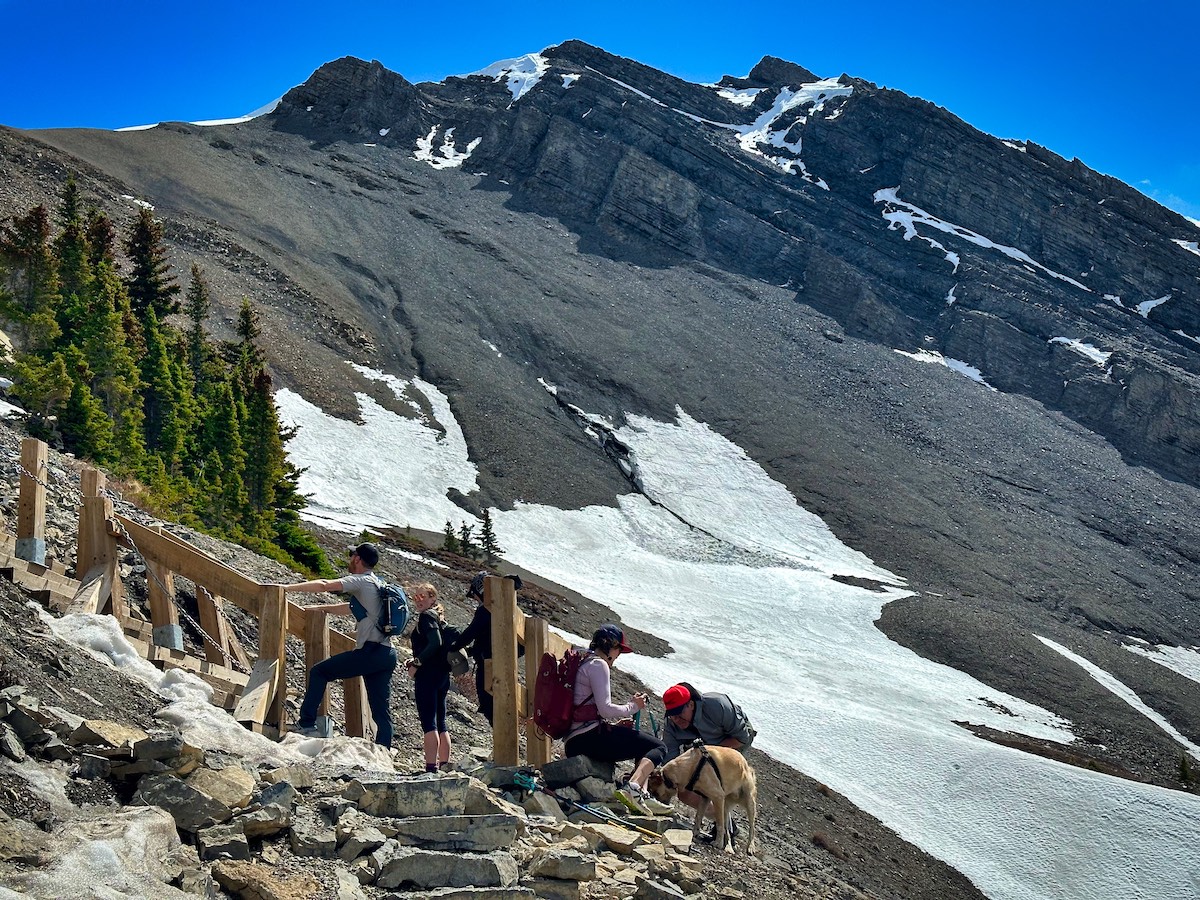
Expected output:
(1113, 83)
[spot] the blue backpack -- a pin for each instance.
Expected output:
(395, 611)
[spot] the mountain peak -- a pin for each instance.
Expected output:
(772, 71)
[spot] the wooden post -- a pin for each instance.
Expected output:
(95, 549)
(316, 648)
(31, 511)
(164, 614)
(537, 641)
(506, 745)
(358, 712)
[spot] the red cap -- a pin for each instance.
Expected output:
(675, 698)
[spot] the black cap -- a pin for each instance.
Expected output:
(367, 553)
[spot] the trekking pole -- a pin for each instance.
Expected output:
(530, 784)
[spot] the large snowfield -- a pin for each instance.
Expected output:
(722, 562)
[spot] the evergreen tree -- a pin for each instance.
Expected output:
(487, 540)
(86, 429)
(74, 265)
(151, 285)
(42, 387)
(160, 399)
(464, 539)
(33, 279)
(196, 307)
(101, 239)
(450, 542)
(116, 381)
(264, 455)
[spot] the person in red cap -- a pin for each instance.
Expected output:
(597, 736)
(712, 718)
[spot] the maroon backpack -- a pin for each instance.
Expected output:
(554, 710)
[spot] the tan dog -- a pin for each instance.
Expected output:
(699, 766)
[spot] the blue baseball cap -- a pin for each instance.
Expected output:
(613, 633)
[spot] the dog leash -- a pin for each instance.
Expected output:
(529, 783)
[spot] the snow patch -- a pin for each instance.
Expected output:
(521, 74)
(1118, 688)
(739, 96)
(901, 214)
(1145, 306)
(1099, 357)
(446, 156)
(954, 365)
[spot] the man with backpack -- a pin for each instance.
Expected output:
(373, 657)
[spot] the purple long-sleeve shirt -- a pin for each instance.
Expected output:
(593, 684)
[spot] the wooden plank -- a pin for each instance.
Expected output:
(506, 744)
(31, 507)
(537, 637)
(93, 591)
(160, 587)
(93, 543)
(215, 623)
(254, 705)
(192, 563)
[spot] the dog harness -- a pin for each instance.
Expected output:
(705, 758)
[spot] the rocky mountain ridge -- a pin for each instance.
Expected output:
(644, 245)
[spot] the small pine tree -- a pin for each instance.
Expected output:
(196, 307)
(151, 284)
(466, 548)
(450, 543)
(487, 540)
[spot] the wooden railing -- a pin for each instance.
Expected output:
(259, 697)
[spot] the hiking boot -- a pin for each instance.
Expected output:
(446, 766)
(657, 807)
(308, 731)
(632, 799)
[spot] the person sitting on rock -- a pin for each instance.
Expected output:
(373, 657)
(602, 738)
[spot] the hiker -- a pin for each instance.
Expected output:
(373, 656)
(476, 639)
(600, 737)
(430, 672)
(712, 718)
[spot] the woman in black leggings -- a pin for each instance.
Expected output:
(430, 673)
(598, 737)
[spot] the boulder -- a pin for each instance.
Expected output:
(223, 842)
(106, 734)
(415, 868)
(424, 795)
(232, 786)
(562, 864)
(191, 809)
(564, 772)
(254, 881)
(479, 834)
